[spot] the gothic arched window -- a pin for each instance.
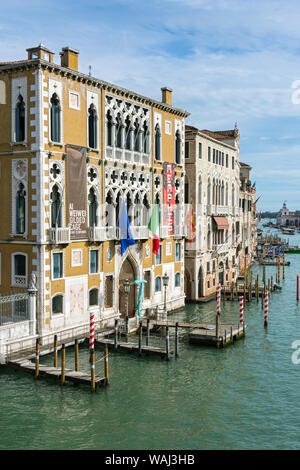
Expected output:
(127, 133)
(55, 118)
(109, 126)
(157, 142)
(136, 136)
(20, 209)
(145, 138)
(56, 219)
(20, 120)
(119, 131)
(200, 190)
(92, 208)
(209, 192)
(177, 147)
(92, 118)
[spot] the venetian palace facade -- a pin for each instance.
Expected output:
(72, 149)
(223, 211)
(76, 150)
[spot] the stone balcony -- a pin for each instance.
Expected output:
(59, 235)
(101, 234)
(128, 156)
(221, 248)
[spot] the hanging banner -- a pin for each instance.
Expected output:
(76, 194)
(169, 196)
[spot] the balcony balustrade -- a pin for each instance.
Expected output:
(59, 235)
(128, 156)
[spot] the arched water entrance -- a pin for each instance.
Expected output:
(127, 272)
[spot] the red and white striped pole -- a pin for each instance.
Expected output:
(241, 300)
(266, 311)
(219, 299)
(92, 330)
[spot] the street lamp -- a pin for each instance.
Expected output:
(165, 280)
(126, 285)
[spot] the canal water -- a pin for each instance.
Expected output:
(245, 396)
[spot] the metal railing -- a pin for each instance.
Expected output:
(13, 309)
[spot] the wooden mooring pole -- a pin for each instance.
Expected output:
(140, 339)
(297, 296)
(116, 335)
(63, 364)
(37, 358)
(167, 343)
(272, 284)
(76, 356)
(176, 339)
(106, 365)
(148, 332)
(55, 351)
(217, 327)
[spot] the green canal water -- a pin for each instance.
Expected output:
(245, 396)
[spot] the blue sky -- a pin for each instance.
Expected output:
(227, 61)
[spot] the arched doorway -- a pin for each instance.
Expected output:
(187, 286)
(127, 272)
(201, 283)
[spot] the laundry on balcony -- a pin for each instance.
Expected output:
(222, 223)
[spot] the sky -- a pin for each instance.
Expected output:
(227, 61)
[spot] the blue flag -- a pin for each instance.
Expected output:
(125, 232)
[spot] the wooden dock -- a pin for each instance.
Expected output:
(274, 263)
(27, 365)
(132, 347)
(206, 335)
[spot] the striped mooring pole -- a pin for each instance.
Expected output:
(241, 300)
(219, 299)
(92, 331)
(266, 310)
(93, 372)
(283, 265)
(278, 261)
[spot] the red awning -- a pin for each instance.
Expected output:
(222, 223)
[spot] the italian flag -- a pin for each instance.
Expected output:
(153, 226)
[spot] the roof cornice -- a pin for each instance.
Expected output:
(208, 137)
(79, 76)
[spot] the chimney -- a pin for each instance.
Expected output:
(40, 52)
(166, 95)
(69, 58)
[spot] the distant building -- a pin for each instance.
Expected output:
(212, 186)
(287, 218)
(247, 199)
